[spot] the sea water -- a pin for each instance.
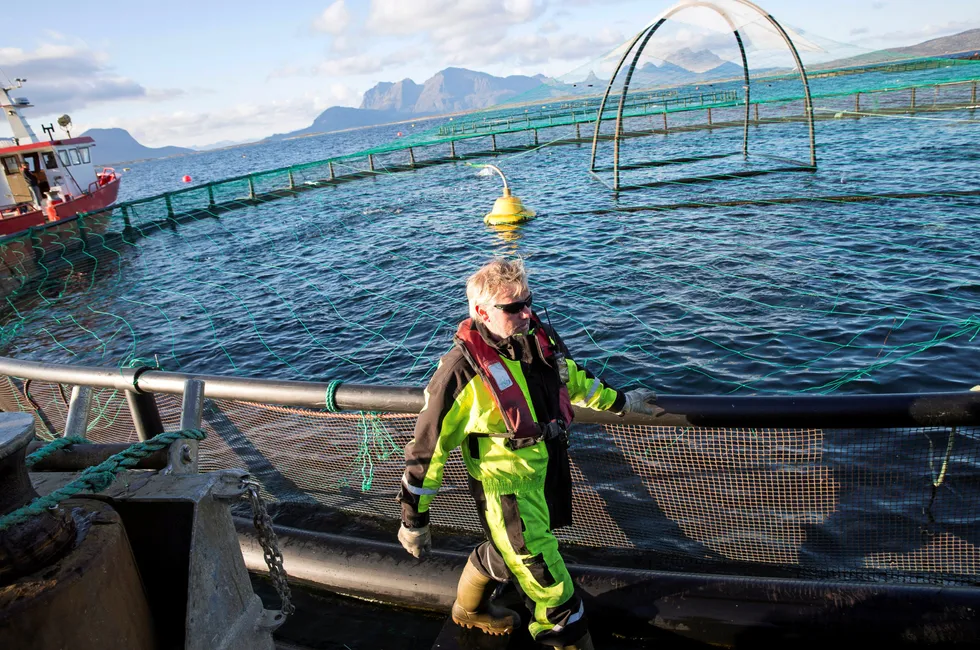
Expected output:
(733, 292)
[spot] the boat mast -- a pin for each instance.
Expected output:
(22, 130)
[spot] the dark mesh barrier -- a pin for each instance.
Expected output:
(891, 504)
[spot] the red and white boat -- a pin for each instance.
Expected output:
(68, 181)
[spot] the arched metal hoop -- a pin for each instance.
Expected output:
(648, 33)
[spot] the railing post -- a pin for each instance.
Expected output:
(146, 416)
(709, 117)
(292, 181)
(251, 188)
(756, 113)
(913, 98)
(452, 149)
(330, 165)
(182, 455)
(665, 120)
(857, 102)
(79, 409)
(578, 130)
(170, 206)
(973, 95)
(371, 161)
(493, 142)
(535, 137)
(411, 157)
(125, 215)
(210, 195)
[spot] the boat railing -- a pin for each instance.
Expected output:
(883, 410)
(855, 488)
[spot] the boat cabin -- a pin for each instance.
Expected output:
(63, 169)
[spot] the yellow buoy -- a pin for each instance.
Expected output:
(508, 209)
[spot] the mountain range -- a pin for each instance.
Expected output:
(451, 90)
(459, 90)
(117, 145)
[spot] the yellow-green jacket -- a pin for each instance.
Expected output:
(459, 411)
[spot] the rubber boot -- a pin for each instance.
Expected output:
(473, 608)
(585, 643)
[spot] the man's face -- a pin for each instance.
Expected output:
(500, 323)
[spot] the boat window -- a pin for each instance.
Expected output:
(10, 165)
(50, 162)
(65, 160)
(83, 151)
(75, 160)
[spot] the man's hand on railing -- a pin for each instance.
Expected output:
(643, 401)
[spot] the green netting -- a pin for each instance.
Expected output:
(87, 289)
(878, 505)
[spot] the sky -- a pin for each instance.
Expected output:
(217, 71)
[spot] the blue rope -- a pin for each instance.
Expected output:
(57, 445)
(98, 477)
(330, 398)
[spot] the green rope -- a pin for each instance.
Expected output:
(57, 445)
(937, 479)
(375, 441)
(98, 477)
(137, 362)
(329, 398)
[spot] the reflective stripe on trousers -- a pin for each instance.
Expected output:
(523, 546)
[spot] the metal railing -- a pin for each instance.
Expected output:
(828, 411)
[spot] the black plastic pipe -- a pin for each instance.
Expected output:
(718, 609)
(801, 411)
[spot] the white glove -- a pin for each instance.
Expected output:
(641, 400)
(417, 541)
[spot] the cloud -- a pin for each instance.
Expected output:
(447, 18)
(288, 70)
(531, 49)
(343, 44)
(471, 33)
(333, 20)
(361, 64)
(239, 122)
(923, 33)
(66, 77)
(350, 65)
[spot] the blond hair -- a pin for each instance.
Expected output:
(483, 286)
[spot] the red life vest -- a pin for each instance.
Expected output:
(500, 382)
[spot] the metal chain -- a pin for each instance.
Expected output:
(270, 545)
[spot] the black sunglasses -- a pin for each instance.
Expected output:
(515, 307)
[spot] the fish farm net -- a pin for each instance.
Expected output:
(895, 504)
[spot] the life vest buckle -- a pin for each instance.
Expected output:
(555, 430)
